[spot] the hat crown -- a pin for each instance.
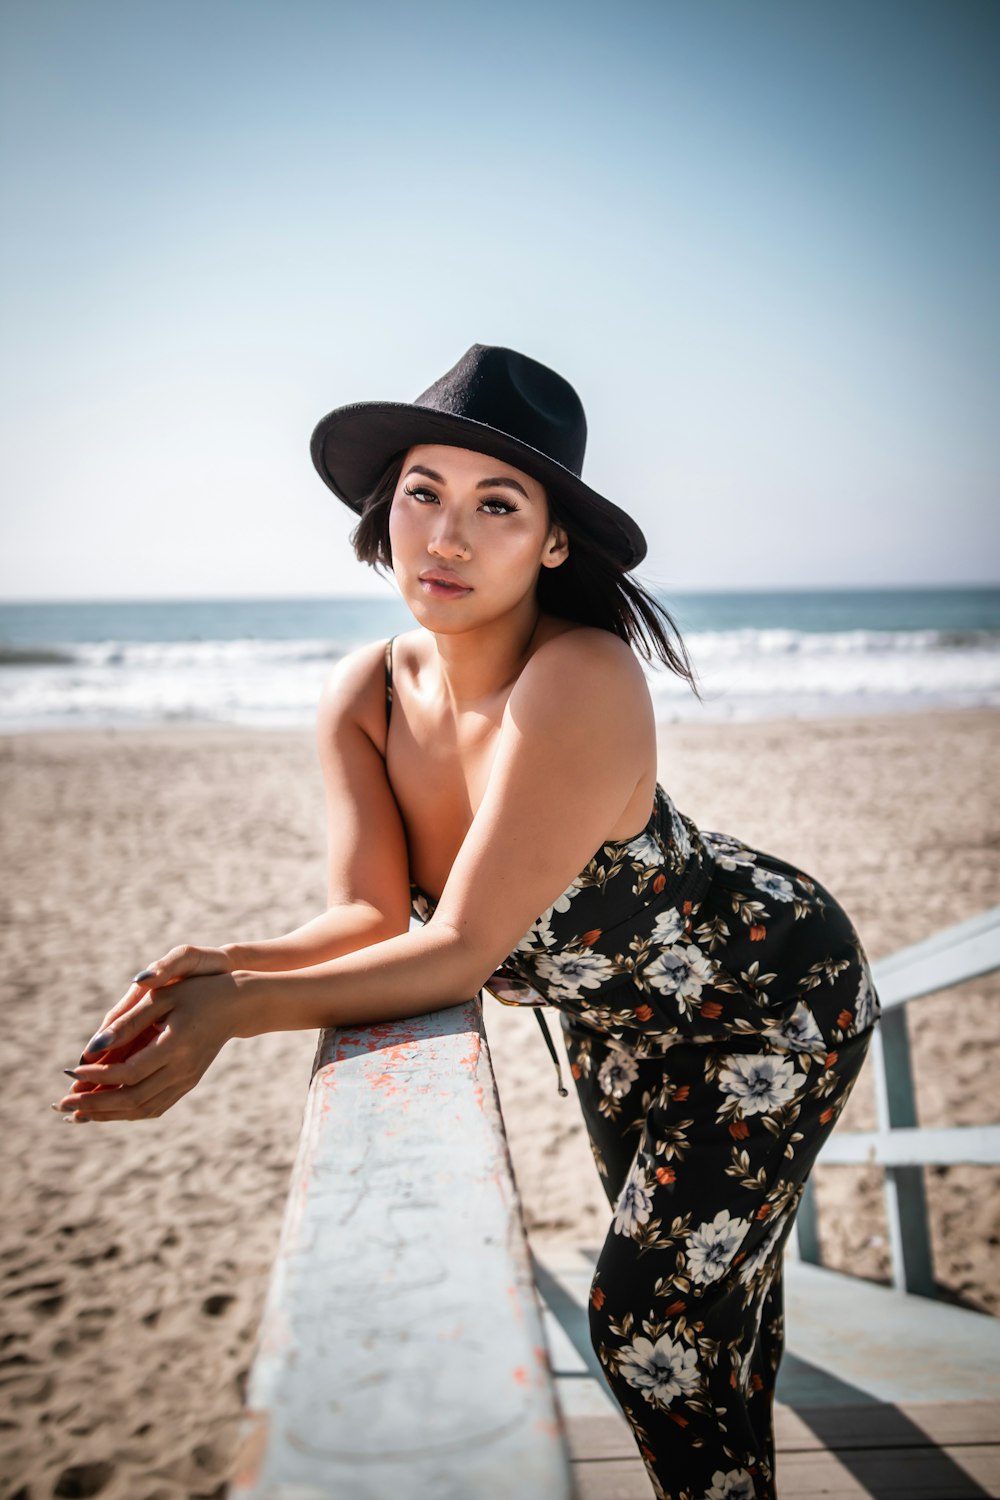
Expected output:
(515, 395)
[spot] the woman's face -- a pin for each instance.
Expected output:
(468, 534)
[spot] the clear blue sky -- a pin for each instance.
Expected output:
(761, 239)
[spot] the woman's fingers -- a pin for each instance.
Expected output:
(181, 963)
(134, 992)
(130, 997)
(165, 1041)
(144, 1101)
(129, 1027)
(122, 1067)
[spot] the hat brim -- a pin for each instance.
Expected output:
(352, 446)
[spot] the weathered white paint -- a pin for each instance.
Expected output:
(950, 1145)
(401, 1355)
(950, 957)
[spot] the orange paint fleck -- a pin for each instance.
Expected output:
(549, 1428)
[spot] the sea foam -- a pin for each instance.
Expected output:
(743, 673)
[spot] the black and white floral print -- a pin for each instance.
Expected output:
(704, 1162)
(678, 932)
(717, 1006)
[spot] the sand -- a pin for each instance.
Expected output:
(135, 1256)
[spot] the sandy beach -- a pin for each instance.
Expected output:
(135, 1257)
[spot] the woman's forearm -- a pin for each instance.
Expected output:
(342, 929)
(427, 969)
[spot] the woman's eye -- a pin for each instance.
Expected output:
(493, 507)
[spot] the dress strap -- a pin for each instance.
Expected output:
(388, 681)
(552, 1052)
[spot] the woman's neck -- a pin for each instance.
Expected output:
(478, 665)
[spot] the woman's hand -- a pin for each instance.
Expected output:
(154, 1050)
(180, 963)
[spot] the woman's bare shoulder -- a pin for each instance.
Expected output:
(588, 666)
(354, 692)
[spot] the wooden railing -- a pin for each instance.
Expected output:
(900, 1145)
(401, 1351)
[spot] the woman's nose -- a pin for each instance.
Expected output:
(448, 539)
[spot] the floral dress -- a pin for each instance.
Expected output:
(717, 1006)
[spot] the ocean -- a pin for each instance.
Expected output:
(261, 663)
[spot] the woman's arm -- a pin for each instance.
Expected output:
(574, 744)
(368, 891)
(367, 865)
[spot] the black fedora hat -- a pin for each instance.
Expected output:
(493, 401)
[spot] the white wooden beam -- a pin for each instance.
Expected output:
(401, 1351)
(944, 1146)
(961, 952)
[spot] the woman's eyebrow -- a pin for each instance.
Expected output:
(484, 484)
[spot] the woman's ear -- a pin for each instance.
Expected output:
(556, 548)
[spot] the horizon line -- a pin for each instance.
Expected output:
(378, 598)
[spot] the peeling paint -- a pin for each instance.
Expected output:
(403, 1269)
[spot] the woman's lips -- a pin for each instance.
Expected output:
(444, 588)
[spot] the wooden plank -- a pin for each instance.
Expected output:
(401, 1350)
(915, 1147)
(883, 1345)
(913, 1424)
(613, 1480)
(961, 952)
(606, 1464)
(970, 1473)
(849, 1342)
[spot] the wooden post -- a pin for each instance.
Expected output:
(804, 1243)
(958, 953)
(905, 1199)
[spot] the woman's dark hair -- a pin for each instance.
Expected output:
(589, 587)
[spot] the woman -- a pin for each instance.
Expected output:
(715, 1001)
